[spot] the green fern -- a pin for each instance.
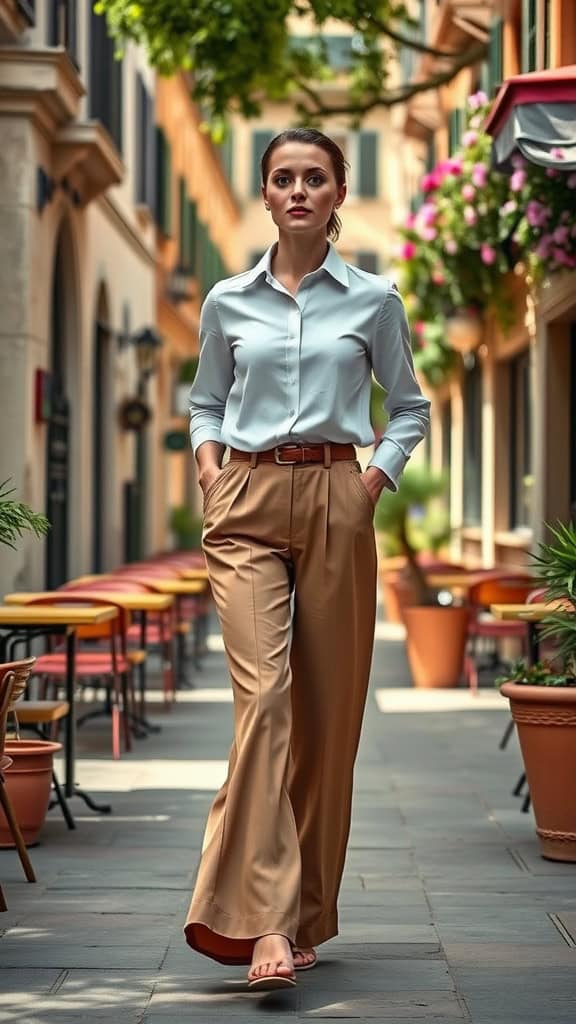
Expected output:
(16, 517)
(556, 571)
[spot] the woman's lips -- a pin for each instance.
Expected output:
(299, 212)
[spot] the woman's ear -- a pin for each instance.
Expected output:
(266, 203)
(342, 190)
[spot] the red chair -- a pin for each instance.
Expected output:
(497, 588)
(111, 667)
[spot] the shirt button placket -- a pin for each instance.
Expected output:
(294, 327)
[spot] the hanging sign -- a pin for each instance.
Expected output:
(134, 414)
(176, 440)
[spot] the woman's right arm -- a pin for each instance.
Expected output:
(209, 393)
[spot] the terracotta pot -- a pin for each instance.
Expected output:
(545, 717)
(435, 644)
(28, 782)
(464, 330)
(396, 593)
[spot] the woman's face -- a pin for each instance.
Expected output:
(301, 189)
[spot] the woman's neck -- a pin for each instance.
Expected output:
(296, 257)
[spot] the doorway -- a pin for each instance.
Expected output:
(58, 429)
(101, 460)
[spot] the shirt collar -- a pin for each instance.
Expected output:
(333, 265)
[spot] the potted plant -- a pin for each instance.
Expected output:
(186, 527)
(543, 703)
(415, 524)
(28, 779)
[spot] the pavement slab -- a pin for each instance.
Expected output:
(447, 911)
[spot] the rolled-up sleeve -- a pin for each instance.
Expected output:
(214, 378)
(407, 408)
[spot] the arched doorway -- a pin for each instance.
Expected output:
(58, 426)
(101, 420)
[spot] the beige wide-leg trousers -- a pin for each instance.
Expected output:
(275, 841)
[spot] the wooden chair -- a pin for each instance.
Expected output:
(7, 682)
(494, 589)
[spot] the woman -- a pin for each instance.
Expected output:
(287, 351)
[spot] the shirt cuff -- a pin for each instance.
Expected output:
(201, 434)
(390, 458)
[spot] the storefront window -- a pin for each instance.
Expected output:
(473, 443)
(521, 478)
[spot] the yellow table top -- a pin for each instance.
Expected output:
(56, 615)
(528, 612)
(135, 602)
(194, 574)
(90, 577)
(172, 585)
(453, 579)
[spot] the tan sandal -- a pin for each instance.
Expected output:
(308, 966)
(271, 982)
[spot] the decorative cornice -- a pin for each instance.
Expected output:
(41, 84)
(84, 153)
(15, 18)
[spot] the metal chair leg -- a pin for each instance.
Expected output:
(3, 904)
(517, 791)
(507, 734)
(61, 800)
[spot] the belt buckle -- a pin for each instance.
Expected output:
(288, 462)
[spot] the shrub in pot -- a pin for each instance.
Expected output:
(543, 703)
(28, 779)
(435, 634)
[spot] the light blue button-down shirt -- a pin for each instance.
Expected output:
(276, 367)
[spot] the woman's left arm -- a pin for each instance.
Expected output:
(407, 408)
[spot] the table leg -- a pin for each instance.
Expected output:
(141, 718)
(70, 788)
(533, 642)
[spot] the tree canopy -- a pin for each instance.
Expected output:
(242, 52)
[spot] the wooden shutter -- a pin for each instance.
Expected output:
(260, 140)
(529, 35)
(163, 182)
(495, 56)
(367, 260)
(368, 164)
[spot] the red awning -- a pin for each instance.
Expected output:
(536, 115)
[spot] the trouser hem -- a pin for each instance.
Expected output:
(230, 939)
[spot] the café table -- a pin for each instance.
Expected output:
(194, 574)
(19, 625)
(532, 615)
(141, 603)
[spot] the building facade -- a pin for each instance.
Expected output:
(503, 426)
(83, 262)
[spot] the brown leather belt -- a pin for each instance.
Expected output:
(298, 453)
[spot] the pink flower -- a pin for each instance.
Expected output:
(571, 181)
(428, 234)
(468, 192)
(510, 207)
(561, 235)
(518, 161)
(408, 251)
(428, 213)
(438, 276)
(469, 138)
(536, 214)
(543, 247)
(410, 220)
(551, 172)
(557, 153)
(518, 180)
(487, 254)
(470, 215)
(429, 182)
(478, 99)
(561, 256)
(419, 327)
(479, 175)
(454, 165)
(476, 121)
(451, 246)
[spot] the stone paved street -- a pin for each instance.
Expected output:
(448, 913)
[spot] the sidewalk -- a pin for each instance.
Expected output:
(448, 913)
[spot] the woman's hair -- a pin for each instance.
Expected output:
(312, 137)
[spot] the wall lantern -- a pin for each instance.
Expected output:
(178, 285)
(147, 343)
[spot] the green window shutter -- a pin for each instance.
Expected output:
(183, 250)
(495, 57)
(368, 164)
(164, 182)
(455, 128)
(192, 229)
(367, 260)
(529, 35)
(260, 140)
(226, 154)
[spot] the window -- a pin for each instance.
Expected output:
(62, 26)
(367, 261)
(145, 146)
(28, 10)
(473, 445)
(106, 99)
(188, 229)
(260, 140)
(493, 69)
(225, 153)
(368, 164)
(407, 55)
(520, 442)
(455, 128)
(164, 182)
(529, 35)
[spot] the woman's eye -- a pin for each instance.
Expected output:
(316, 179)
(281, 179)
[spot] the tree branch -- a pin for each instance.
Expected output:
(413, 44)
(392, 97)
